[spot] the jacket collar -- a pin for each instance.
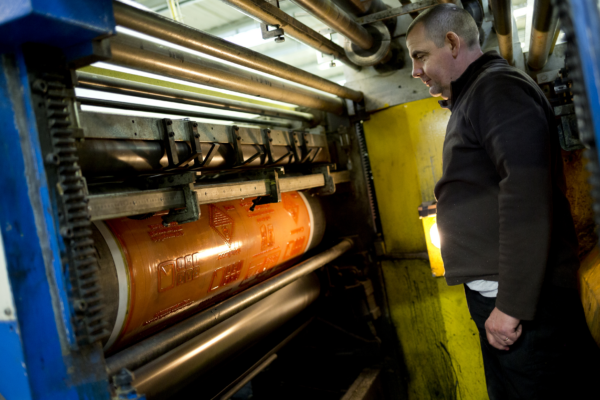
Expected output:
(464, 81)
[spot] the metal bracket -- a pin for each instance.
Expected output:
(276, 33)
(196, 148)
(170, 144)
(296, 150)
(267, 139)
(237, 148)
(185, 181)
(123, 388)
(88, 52)
(192, 128)
(329, 187)
(306, 152)
(274, 191)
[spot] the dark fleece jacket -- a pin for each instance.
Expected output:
(502, 210)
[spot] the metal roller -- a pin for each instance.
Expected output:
(155, 346)
(153, 276)
(150, 57)
(160, 109)
(221, 342)
(109, 84)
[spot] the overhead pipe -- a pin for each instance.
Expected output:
(108, 84)
(543, 28)
(334, 17)
(503, 24)
(358, 7)
(150, 57)
(155, 346)
(163, 28)
(267, 13)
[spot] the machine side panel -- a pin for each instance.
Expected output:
(60, 23)
(13, 384)
(24, 215)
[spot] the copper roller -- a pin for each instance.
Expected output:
(153, 275)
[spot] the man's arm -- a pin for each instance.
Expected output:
(513, 129)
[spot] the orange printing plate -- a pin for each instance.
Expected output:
(177, 270)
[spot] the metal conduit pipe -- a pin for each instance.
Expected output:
(543, 27)
(158, 26)
(334, 17)
(150, 57)
(216, 345)
(358, 7)
(155, 346)
(122, 105)
(267, 13)
(107, 84)
(503, 24)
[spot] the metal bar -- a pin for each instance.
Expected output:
(255, 371)
(366, 386)
(107, 206)
(396, 12)
(340, 177)
(228, 391)
(150, 57)
(153, 347)
(503, 24)
(334, 17)
(199, 354)
(109, 84)
(158, 26)
(545, 20)
(555, 39)
(121, 105)
(267, 13)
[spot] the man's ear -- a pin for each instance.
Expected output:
(453, 41)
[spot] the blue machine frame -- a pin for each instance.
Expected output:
(586, 28)
(40, 358)
(39, 353)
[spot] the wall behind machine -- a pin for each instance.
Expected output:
(437, 336)
(438, 339)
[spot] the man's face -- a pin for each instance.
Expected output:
(431, 64)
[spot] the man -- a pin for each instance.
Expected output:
(504, 221)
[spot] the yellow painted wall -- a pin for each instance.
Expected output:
(437, 336)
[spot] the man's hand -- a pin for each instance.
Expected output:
(502, 330)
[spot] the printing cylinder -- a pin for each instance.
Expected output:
(153, 276)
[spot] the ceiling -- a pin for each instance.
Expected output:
(219, 19)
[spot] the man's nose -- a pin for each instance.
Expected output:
(417, 70)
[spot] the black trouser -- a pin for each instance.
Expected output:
(555, 357)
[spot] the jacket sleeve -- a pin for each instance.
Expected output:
(510, 122)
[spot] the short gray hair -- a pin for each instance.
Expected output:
(443, 18)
